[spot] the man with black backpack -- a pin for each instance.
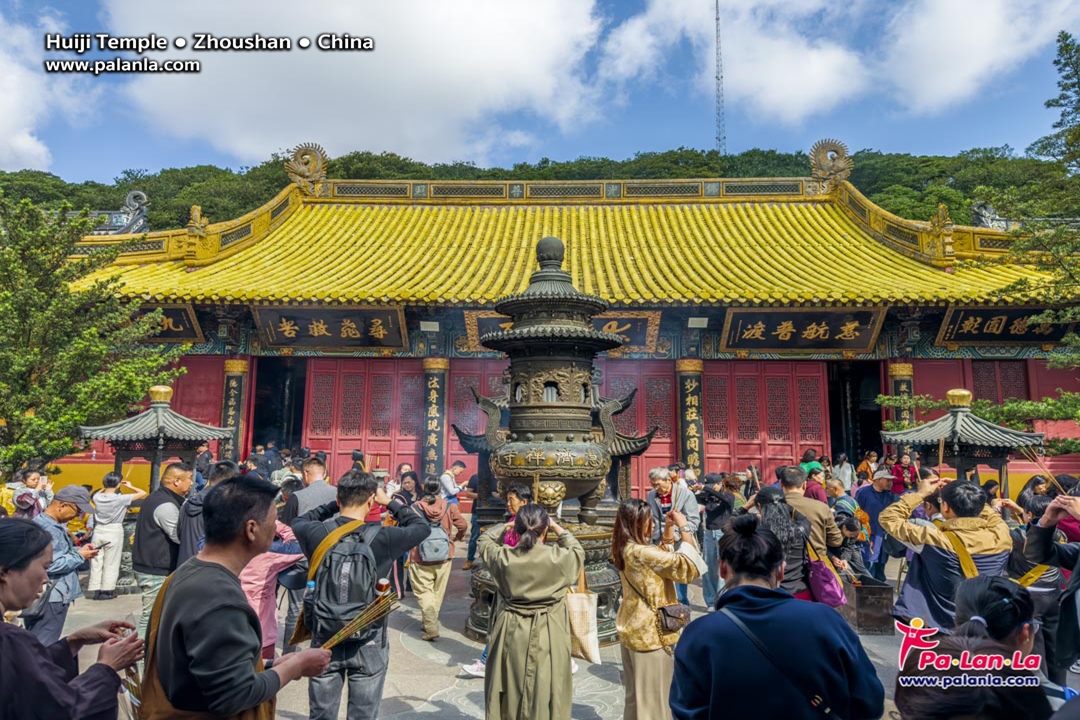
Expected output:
(347, 557)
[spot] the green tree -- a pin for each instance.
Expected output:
(1063, 146)
(71, 350)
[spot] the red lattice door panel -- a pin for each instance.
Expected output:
(486, 377)
(654, 406)
(372, 405)
(763, 413)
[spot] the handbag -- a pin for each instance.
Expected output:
(669, 618)
(794, 679)
(825, 584)
(584, 631)
(37, 610)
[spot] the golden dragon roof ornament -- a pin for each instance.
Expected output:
(830, 163)
(307, 168)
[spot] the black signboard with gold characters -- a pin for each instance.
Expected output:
(639, 329)
(802, 330)
(178, 324)
(990, 325)
(334, 328)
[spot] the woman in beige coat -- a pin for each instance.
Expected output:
(528, 669)
(649, 574)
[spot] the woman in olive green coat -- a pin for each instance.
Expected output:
(528, 668)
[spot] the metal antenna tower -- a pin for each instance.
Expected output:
(721, 130)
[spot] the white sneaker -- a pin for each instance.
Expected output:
(477, 669)
(1075, 667)
(573, 666)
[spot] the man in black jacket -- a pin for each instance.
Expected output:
(1041, 548)
(157, 537)
(191, 512)
(363, 665)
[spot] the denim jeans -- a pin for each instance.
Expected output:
(474, 537)
(681, 593)
(365, 692)
(877, 569)
(711, 582)
(292, 615)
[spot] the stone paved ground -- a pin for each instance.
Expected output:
(426, 680)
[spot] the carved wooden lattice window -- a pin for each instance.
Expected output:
(746, 408)
(352, 405)
(984, 380)
(1013, 378)
(715, 392)
(658, 405)
(412, 405)
(322, 405)
(810, 410)
(466, 411)
(778, 408)
(1000, 380)
(382, 405)
(626, 421)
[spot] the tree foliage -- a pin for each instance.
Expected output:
(1063, 146)
(70, 349)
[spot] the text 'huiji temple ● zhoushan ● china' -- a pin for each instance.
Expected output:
(560, 438)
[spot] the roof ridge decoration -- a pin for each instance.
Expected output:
(307, 168)
(830, 162)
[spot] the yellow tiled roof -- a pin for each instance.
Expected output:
(833, 248)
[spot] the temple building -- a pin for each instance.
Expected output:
(760, 317)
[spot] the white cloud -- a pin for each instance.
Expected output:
(944, 52)
(774, 66)
(30, 97)
(439, 86)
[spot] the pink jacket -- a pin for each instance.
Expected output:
(259, 580)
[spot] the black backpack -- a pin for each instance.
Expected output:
(344, 586)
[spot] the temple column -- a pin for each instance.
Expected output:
(232, 407)
(901, 382)
(691, 424)
(436, 373)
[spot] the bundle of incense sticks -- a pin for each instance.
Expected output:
(1033, 457)
(382, 606)
(131, 684)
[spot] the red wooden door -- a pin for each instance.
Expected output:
(763, 413)
(486, 377)
(372, 405)
(654, 406)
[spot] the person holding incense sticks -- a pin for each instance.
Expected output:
(360, 665)
(528, 673)
(44, 681)
(204, 649)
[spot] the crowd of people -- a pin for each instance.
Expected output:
(990, 574)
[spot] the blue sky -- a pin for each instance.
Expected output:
(498, 82)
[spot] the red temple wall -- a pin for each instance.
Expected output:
(198, 394)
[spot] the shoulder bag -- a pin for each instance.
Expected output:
(669, 618)
(793, 679)
(37, 610)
